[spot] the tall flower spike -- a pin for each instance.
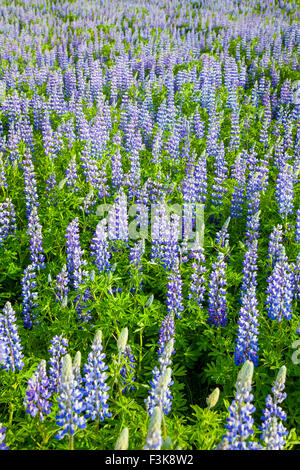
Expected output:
(122, 442)
(273, 432)
(70, 401)
(38, 392)
(197, 286)
(100, 248)
(217, 305)
(280, 290)
(96, 395)
(10, 340)
(240, 421)
(74, 255)
(61, 284)
(57, 350)
(160, 384)
(246, 345)
(30, 296)
(7, 220)
(174, 292)
(154, 439)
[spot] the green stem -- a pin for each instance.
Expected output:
(71, 442)
(11, 414)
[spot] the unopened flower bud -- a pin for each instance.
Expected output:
(122, 442)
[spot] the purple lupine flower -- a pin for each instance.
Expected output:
(50, 185)
(174, 292)
(154, 439)
(160, 394)
(74, 255)
(246, 345)
(10, 340)
(70, 417)
(273, 432)
(275, 244)
(280, 290)
(217, 305)
(252, 228)
(57, 350)
(34, 230)
(235, 130)
(61, 284)
(166, 332)
(284, 191)
(82, 308)
(117, 169)
(118, 219)
(100, 248)
(30, 296)
(3, 446)
(239, 427)
(87, 202)
(239, 175)
(7, 220)
(197, 286)
(3, 180)
(296, 270)
(164, 236)
(127, 370)
(198, 125)
(31, 196)
(297, 227)
(220, 172)
(201, 179)
(96, 395)
(222, 237)
(249, 267)
(38, 392)
(72, 175)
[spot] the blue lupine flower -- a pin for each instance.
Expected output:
(61, 284)
(70, 417)
(217, 304)
(30, 296)
(174, 292)
(3, 446)
(296, 272)
(239, 427)
(38, 392)
(34, 230)
(249, 267)
(280, 290)
(197, 286)
(297, 227)
(246, 347)
(96, 395)
(100, 248)
(71, 175)
(166, 332)
(285, 191)
(74, 255)
(57, 350)
(273, 432)
(275, 244)
(7, 220)
(160, 394)
(154, 439)
(10, 340)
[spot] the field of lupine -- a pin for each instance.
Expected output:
(149, 224)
